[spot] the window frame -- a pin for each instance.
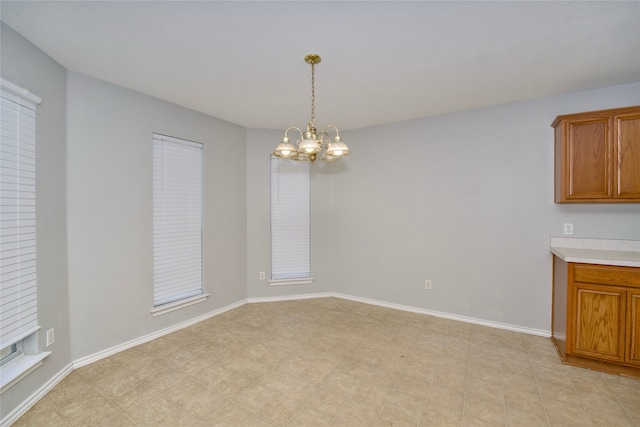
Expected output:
(187, 156)
(15, 350)
(295, 210)
(19, 348)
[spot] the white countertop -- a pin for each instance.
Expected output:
(624, 253)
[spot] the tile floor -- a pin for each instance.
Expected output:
(340, 363)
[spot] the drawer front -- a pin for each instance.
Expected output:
(606, 275)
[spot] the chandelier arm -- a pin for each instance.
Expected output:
(293, 127)
(322, 137)
(330, 127)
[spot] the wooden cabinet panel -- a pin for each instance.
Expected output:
(597, 156)
(588, 158)
(633, 328)
(627, 152)
(599, 320)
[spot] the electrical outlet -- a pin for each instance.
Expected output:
(427, 284)
(263, 275)
(567, 228)
(50, 337)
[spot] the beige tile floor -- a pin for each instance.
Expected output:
(339, 363)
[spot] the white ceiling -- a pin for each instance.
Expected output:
(382, 61)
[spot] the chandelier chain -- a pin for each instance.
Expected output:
(313, 94)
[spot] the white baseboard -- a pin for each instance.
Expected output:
(291, 297)
(465, 319)
(497, 325)
(152, 336)
(20, 410)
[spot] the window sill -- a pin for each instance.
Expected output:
(300, 281)
(167, 308)
(17, 369)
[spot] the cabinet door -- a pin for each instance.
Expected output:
(588, 152)
(633, 328)
(626, 162)
(599, 321)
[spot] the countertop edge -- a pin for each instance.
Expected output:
(598, 256)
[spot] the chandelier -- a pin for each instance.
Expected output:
(311, 143)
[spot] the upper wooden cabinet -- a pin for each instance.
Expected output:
(597, 156)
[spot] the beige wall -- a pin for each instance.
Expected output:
(465, 200)
(110, 211)
(27, 66)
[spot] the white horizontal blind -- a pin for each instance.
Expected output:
(18, 302)
(290, 200)
(177, 219)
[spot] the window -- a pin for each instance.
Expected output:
(19, 308)
(290, 228)
(177, 224)
(10, 352)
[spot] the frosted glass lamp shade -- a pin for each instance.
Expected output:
(337, 148)
(285, 149)
(309, 145)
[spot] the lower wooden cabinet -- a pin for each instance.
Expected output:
(596, 316)
(633, 350)
(599, 318)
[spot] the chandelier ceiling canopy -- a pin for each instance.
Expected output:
(312, 143)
